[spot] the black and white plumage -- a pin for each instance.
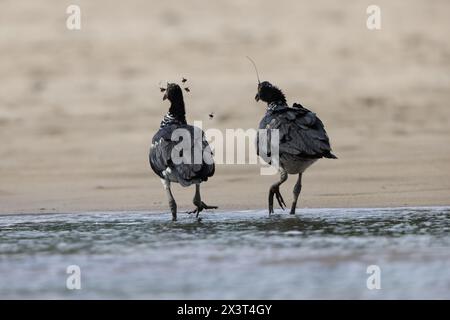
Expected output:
(303, 139)
(167, 142)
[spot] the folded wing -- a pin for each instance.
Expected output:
(187, 162)
(301, 132)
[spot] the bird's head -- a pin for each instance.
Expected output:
(172, 92)
(266, 91)
(269, 93)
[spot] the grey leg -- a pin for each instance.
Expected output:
(275, 190)
(197, 198)
(200, 205)
(297, 190)
(172, 203)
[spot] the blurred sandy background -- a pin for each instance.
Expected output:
(78, 108)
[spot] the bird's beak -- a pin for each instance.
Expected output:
(165, 96)
(257, 97)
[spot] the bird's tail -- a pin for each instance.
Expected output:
(329, 155)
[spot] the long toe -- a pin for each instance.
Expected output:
(280, 200)
(192, 211)
(205, 206)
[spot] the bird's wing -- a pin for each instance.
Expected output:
(301, 133)
(191, 170)
(160, 151)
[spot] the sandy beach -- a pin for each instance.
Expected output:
(78, 109)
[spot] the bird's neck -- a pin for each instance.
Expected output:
(277, 99)
(276, 105)
(177, 109)
(176, 114)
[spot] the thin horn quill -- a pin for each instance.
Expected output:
(256, 69)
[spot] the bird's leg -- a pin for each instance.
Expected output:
(275, 190)
(197, 200)
(199, 204)
(172, 203)
(297, 190)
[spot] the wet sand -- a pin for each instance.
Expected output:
(78, 109)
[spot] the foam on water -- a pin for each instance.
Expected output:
(319, 253)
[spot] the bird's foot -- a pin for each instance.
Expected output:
(275, 191)
(173, 209)
(200, 206)
(294, 205)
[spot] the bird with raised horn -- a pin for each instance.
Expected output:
(302, 139)
(175, 164)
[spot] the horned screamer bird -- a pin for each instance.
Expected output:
(302, 138)
(192, 163)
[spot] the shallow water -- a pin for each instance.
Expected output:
(320, 253)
